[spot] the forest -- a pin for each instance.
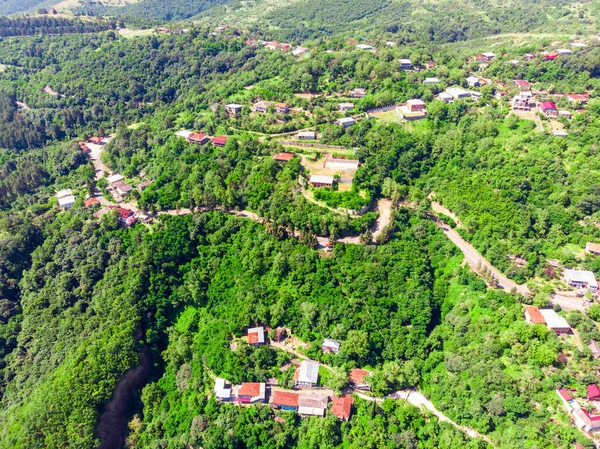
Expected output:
(45, 25)
(85, 300)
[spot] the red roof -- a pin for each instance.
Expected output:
(593, 391)
(197, 136)
(251, 389)
(342, 406)
(551, 56)
(577, 97)
(547, 105)
(90, 201)
(281, 105)
(252, 338)
(285, 398)
(358, 375)
(590, 417)
(95, 139)
(283, 157)
(565, 395)
(535, 315)
(219, 140)
(124, 213)
(522, 83)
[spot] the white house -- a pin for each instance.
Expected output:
(555, 322)
(346, 121)
(307, 135)
(458, 93)
(364, 47)
(184, 133)
(581, 279)
(330, 345)
(307, 375)
(564, 51)
(446, 97)
(222, 390)
(473, 81)
(431, 81)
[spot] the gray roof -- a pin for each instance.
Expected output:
(309, 372)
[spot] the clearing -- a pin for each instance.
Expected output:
(128, 34)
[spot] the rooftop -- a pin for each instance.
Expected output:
(256, 335)
(285, 398)
(342, 406)
(328, 342)
(252, 389)
(554, 320)
(586, 277)
(535, 315)
(283, 157)
(357, 375)
(320, 179)
(307, 372)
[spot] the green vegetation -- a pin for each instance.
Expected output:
(83, 301)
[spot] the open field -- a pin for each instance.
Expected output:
(128, 34)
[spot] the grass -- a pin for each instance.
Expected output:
(128, 34)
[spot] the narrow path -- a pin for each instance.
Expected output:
(384, 207)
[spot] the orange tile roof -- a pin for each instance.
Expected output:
(358, 375)
(342, 406)
(283, 157)
(285, 398)
(535, 315)
(249, 389)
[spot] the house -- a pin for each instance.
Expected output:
(564, 113)
(321, 181)
(184, 133)
(95, 140)
(578, 45)
(522, 85)
(593, 392)
(484, 58)
(592, 248)
(594, 348)
(283, 157)
(342, 407)
(198, 138)
(307, 135)
(473, 81)
(330, 346)
(285, 400)
(306, 375)
(262, 106)
(475, 96)
(357, 380)
(346, 121)
(125, 217)
(142, 185)
(533, 315)
(219, 141)
(457, 93)
(90, 202)
(365, 47)
(233, 109)
(121, 188)
(66, 200)
(406, 64)
(256, 336)
(581, 279)
(555, 322)
(413, 110)
(343, 107)
(390, 43)
(282, 108)
(528, 56)
(564, 51)
(584, 420)
(299, 51)
(521, 103)
(499, 94)
(514, 62)
(250, 392)
(357, 92)
(312, 405)
(222, 390)
(577, 98)
(551, 56)
(114, 178)
(341, 164)
(548, 108)
(445, 97)
(560, 133)
(280, 334)
(430, 81)
(566, 399)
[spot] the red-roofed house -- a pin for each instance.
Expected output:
(548, 108)
(197, 138)
(285, 400)
(551, 56)
(283, 157)
(357, 379)
(282, 108)
(90, 202)
(256, 336)
(96, 140)
(250, 392)
(219, 141)
(125, 216)
(342, 407)
(593, 392)
(590, 422)
(522, 84)
(533, 315)
(577, 98)
(566, 399)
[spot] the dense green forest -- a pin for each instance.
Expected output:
(85, 300)
(28, 26)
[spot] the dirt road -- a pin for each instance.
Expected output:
(384, 207)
